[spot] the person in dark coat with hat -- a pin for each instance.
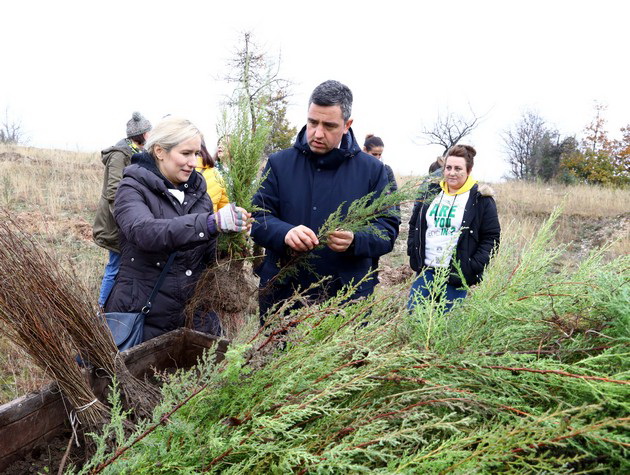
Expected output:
(105, 231)
(162, 207)
(303, 185)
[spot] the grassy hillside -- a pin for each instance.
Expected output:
(54, 193)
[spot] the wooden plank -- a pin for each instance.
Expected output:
(29, 422)
(22, 406)
(160, 352)
(47, 418)
(192, 354)
(197, 342)
(178, 349)
(198, 338)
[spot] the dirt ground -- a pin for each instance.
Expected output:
(46, 459)
(600, 232)
(394, 275)
(38, 223)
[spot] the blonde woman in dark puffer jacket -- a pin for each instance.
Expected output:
(161, 208)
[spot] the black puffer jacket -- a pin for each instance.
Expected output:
(152, 225)
(479, 235)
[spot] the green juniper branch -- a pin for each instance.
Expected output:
(247, 142)
(358, 216)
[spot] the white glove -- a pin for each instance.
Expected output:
(231, 219)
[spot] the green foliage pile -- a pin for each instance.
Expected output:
(528, 374)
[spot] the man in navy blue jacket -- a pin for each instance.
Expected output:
(303, 186)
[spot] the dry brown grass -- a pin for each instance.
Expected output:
(53, 182)
(17, 376)
(53, 194)
(578, 200)
(592, 216)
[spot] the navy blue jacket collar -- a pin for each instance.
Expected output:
(347, 150)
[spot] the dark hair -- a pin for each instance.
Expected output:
(207, 160)
(465, 151)
(225, 138)
(139, 139)
(372, 141)
(434, 166)
(333, 93)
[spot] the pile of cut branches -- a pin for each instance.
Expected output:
(49, 314)
(529, 374)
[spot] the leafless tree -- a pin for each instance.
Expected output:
(449, 129)
(520, 143)
(265, 94)
(11, 131)
(256, 77)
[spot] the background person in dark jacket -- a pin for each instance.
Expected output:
(458, 216)
(161, 207)
(303, 186)
(375, 147)
(436, 169)
(105, 231)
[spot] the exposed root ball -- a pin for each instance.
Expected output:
(227, 289)
(138, 395)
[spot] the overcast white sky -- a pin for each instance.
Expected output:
(74, 71)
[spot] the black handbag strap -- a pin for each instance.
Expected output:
(147, 308)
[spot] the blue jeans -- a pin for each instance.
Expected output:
(111, 269)
(421, 286)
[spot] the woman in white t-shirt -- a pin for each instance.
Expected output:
(455, 220)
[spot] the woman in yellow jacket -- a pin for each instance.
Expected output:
(214, 180)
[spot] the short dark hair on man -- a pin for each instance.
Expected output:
(333, 93)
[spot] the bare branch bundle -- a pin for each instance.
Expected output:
(94, 340)
(31, 322)
(51, 299)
